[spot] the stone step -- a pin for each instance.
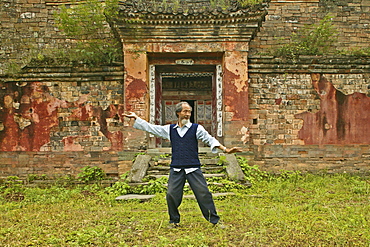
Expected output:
(206, 175)
(165, 170)
(146, 166)
(167, 162)
(186, 184)
(161, 168)
(148, 197)
(164, 167)
(135, 197)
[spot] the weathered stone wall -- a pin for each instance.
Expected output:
(55, 120)
(64, 109)
(353, 159)
(81, 125)
(309, 114)
(309, 100)
(27, 29)
(351, 18)
(56, 164)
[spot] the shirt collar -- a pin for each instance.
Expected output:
(188, 125)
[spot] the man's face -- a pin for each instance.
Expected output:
(185, 112)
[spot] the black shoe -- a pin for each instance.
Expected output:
(173, 225)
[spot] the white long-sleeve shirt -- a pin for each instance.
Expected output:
(163, 131)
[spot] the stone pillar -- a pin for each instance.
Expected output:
(136, 90)
(235, 92)
(135, 86)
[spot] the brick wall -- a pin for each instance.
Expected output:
(65, 108)
(62, 163)
(351, 18)
(55, 120)
(280, 91)
(27, 28)
(83, 106)
(312, 158)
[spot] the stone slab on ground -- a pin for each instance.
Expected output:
(135, 196)
(213, 194)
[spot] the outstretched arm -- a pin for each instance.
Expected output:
(131, 115)
(157, 130)
(205, 137)
(229, 150)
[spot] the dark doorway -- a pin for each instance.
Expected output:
(196, 88)
(189, 77)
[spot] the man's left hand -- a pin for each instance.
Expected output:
(233, 150)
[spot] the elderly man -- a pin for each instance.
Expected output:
(185, 164)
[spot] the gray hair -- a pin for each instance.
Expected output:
(178, 107)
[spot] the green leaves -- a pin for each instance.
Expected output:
(82, 20)
(155, 186)
(315, 39)
(252, 173)
(86, 23)
(290, 209)
(91, 174)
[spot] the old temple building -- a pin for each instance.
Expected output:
(308, 113)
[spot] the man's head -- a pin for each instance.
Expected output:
(183, 111)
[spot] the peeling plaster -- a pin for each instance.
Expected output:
(342, 119)
(71, 145)
(237, 101)
(244, 131)
(236, 84)
(28, 126)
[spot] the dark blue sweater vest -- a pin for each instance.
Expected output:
(184, 149)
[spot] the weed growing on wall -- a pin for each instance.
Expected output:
(357, 52)
(86, 24)
(227, 3)
(252, 173)
(249, 2)
(315, 39)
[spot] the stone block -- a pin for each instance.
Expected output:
(233, 168)
(139, 168)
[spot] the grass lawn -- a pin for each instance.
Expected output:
(301, 210)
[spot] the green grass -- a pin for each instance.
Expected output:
(295, 210)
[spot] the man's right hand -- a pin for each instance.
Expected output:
(131, 115)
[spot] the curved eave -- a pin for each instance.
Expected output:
(200, 27)
(200, 33)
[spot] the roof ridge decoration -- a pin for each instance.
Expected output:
(201, 20)
(187, 8)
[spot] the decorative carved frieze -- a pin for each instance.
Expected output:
(152, 21)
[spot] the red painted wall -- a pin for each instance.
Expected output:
(342, 119)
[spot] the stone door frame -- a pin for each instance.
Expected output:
(232, 81)
(217, 100)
